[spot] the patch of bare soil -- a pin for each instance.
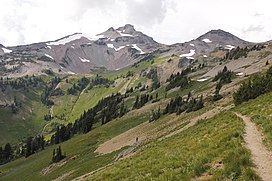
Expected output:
(88, 175)
(204, 176)
(54, 166)
(127, 138)
(261, 156)
(64, 176)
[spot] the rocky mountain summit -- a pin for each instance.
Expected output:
(112, 50)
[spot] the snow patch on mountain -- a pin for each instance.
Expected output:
(84, 60)
(124, 34)
(116, 49)
(48, 56)
(191, 44)
(188, 55)
(121, 47)
(202, 80)
(110, 46)
(66, 40)
(240, 74)
(137, 48)
(229, 47)
(205, 56)
(206, 40)
(6, 50)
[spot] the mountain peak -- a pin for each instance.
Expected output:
(220, 36)
(110, 29)
(128, 28)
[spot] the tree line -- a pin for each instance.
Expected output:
(179, 104)
(153, 75)
(179, 80)
(106, 110)
(48, 91)
(254, 87)
(20, 83)
(28, 147)
(239, 52)
(79, 86)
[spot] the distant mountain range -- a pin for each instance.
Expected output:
(113, 49)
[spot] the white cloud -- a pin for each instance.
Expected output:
(167, 21)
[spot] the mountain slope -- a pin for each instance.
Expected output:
(207, 43)
(112, 50)
(78, 53)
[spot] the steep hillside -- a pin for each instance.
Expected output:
(209, 148)
(148, 111)
(111, 50)
(78, 53)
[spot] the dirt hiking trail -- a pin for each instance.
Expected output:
(262, 158)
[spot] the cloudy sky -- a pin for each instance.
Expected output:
(167, 21)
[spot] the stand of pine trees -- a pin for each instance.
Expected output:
(79, 86)
(6, 154)
(48, 90)
(57, 155)
(106, 110)
(142, 100)
(179, 105)
(254, 87)
(242, 52)
(20, 83)
(98, 80)
(152, 74)
(224, 76)
(28, 147)
(179, 80)
(155, 115)
(217, 96)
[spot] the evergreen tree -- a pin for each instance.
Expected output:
(8, 152)
(217, 95)
(57, 155)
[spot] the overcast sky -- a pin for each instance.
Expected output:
(167, 21)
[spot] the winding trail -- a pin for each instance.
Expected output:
(261, 156)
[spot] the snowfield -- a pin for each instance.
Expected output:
(229, 47)
(73, 38)
(84, 60)
(121, 47)
(48, 56)
(188, 55)
(124, 34)
(66, 40)
(240, 74)
(116, 49)
(6, 50)
(206, 40)
(137, 48)
(110, 46)
(202, 80)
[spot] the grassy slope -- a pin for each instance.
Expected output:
(28, 121)
(81, 147)
(190, 154)
(178, 152)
